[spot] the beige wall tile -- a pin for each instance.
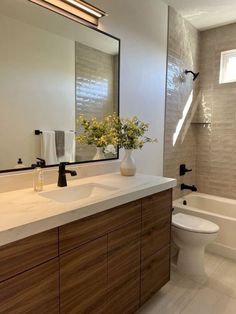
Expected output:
(209, 149)
(183, 53)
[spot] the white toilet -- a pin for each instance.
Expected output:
(191, 235)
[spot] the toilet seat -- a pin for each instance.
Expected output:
(193, 224)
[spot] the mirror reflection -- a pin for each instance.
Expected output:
(52, 70)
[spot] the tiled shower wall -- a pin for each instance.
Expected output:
(216, 142)
(208, 145)
(183, 53)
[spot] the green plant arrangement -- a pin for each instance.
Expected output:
(131, 133)
(113, 132)
(131, 136)
(99, 133)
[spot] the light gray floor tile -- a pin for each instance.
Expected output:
(188, 295)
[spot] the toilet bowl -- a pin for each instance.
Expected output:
(191, 235)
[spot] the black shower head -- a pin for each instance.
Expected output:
(195, 75)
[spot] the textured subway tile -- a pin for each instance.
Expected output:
(95, 88)
(209, 149)
(183, 52)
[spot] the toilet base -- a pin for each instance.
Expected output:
(191, 256)
(191, 261)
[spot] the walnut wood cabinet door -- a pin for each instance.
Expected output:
(22, 255)
(155, 273)
(83, 278)
(35, 291)
(124, 269)
(155, 243)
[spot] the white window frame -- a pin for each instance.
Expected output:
(223, 66)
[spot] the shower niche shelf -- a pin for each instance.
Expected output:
(200, 123)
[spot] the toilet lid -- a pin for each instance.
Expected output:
(194, 224)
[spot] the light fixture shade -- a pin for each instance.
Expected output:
(75, 8)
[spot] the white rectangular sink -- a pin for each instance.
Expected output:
(76, 193)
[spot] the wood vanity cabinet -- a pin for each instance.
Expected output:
(124, 269)
(29, 275)
(35, 291)
(111, 262)
(22, 255)
(100, 262)
(84, 230)
(83, 278)
(155, 243)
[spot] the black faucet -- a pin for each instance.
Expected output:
(188, 187)
(62, 174)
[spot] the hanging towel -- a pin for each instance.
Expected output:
(48, 147)
(60, 143)
(69, 155)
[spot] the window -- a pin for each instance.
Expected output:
(228, 67)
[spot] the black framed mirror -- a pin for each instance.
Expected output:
(52, 70)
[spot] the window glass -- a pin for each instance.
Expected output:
(228, 67)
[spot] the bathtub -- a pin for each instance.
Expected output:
(219, 210)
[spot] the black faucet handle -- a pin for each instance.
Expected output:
(73, 173)
(41, 162)
(183, 170)
(188, 170)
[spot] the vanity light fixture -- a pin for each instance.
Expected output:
(77, 9)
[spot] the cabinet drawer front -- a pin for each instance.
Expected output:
(24, 254)
(155, 236)
(155, 273)
(79, 232)
(83, 278)
(124, 269)
(34, 291)
(157, 206)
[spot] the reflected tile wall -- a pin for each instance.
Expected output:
(216, 145)
(183, 53)
(96, 89)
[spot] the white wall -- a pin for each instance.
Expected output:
(142, 28)
(37, 75)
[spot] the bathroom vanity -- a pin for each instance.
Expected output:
(107, 253)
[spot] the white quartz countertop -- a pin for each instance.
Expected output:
(24, 212)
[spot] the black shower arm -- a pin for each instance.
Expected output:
(186, 72)
(195, 75)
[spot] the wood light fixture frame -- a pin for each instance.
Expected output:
(75, 9)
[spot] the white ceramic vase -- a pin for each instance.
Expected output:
(127, 166)
(99, 154)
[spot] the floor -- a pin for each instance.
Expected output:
(185, 295)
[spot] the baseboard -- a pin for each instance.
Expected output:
(222, 250)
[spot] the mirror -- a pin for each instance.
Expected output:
(52, 70)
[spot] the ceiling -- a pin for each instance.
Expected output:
(205, 14)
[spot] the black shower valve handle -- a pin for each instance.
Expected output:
(183, 170)
(188, 170)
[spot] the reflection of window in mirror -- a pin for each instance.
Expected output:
(228, 66)
(96, 87)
